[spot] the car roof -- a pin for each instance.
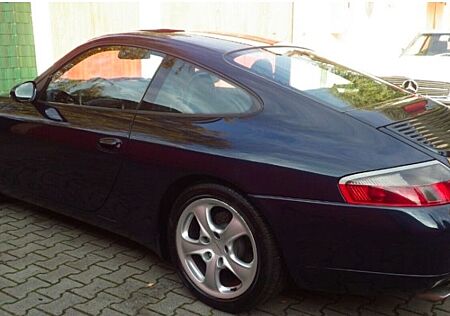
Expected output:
(216, 41)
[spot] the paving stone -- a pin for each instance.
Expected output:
(184, 291)
(29, 228)
(4, 269)
(160, 288)
(88, 275)
(133, 305)
(198, 307)
(137, 253)
(349, 305)
(6, 299)
(126, 288)
(73, 312)
(22, 275)
(169, 304)
(120, 275)
(54, 276)
(438, 312)
(4, 247)
(385, 305)
(116, 262)
(57, 289)
(153, 274)
(418, 306)
(22, 263)
(36, 312)
(24, 222)
(180, 311)
(92, 289)
(80, 240)
(110, 312)
(80, 252)
(445, 306)
(51, 252)
(53, 230)
(53, 240)
(312, 305)
(276, 306)
(22, 290)
(108, 275)
(289, 312)
(83, 264)
(7, 228)
(23, 251)
(57, 307)
(102, 242)
(111, 251)
(56, 261)
(95, 306)
(6, 283)
(22, 241)
(4, 237)
(20, 307)
(7, 219)
(5, 257)
(145, 263)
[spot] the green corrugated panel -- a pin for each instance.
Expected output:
(17, 54)
(22, 7)
(6, 28)
(7, 7)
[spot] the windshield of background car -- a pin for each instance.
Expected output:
(316, 77)
(429, 45)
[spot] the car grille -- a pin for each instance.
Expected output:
(431, 130)
(432, 89)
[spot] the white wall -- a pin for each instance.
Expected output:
(353, 31)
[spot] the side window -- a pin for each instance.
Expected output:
(110, 76)
(181, 87)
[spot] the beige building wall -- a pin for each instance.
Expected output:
(353, 31)
(272, 20)
(74, 23)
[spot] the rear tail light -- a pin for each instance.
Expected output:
(425, 184)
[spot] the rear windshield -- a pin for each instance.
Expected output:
(429, 45)
(317, 77)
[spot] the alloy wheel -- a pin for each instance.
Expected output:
(216, 248)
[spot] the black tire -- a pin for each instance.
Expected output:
(270, 276)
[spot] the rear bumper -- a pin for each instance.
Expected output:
(335, 246)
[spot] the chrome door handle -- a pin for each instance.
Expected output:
(110, 143)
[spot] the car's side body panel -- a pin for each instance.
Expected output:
(287, 158)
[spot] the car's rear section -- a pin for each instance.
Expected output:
(392, 228)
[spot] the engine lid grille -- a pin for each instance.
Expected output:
(431, 130)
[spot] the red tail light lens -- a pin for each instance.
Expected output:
(425, 184)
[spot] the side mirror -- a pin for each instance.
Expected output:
(24, 92)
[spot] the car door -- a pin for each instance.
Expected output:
(179, 120)
(66, 150)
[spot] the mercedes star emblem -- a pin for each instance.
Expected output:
(410, 85)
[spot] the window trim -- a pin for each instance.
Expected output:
(259, 103)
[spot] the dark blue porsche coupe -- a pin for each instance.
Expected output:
(243, 162)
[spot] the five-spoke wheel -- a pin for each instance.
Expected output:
(223, 249)
(216, 248)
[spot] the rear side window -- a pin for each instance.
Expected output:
(322, 79)
(109, 76)
(181, 87)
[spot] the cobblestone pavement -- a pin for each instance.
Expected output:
(52, 265)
